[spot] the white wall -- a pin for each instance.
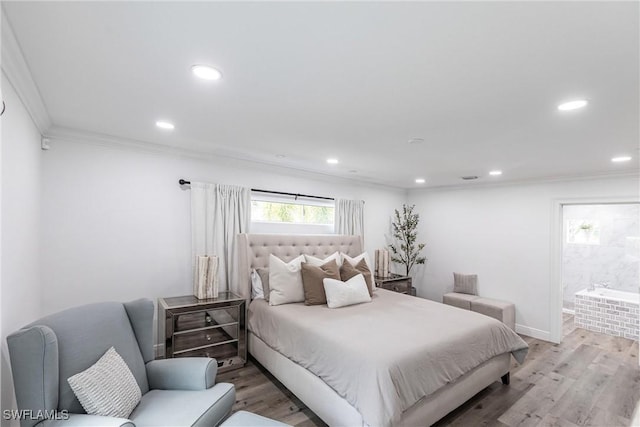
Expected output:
(116, 224)
(502, 233)
(21, 195)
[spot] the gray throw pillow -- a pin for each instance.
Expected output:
(264, 277)
(465, 283)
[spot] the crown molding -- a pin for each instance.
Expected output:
(17, 71)
(528, 181)
(63, 134)
(56, 133)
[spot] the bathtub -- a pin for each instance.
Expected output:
(608, 311)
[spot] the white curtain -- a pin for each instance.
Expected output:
(350, 217)
(218, 213)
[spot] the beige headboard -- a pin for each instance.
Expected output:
(254, 250)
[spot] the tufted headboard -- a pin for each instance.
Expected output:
(254, 250)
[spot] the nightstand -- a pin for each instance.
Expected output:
(396, 283)
(213, 327)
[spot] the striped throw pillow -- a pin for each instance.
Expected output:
(465, 283)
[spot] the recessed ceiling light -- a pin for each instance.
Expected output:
(206, 72)
(573, 105)
(621, 159)
(495, 173)
(420, 180)
(332, 161)
(415, 141)
(165, 125)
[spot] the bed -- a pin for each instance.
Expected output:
(398, 360)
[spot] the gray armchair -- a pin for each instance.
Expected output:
(175, 392)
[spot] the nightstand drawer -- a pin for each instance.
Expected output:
(189, 340)
(220, 352)
(203, 319)
(403, 287)
(395, 283)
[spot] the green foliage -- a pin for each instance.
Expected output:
(405, 251)
(280, 212)
(291, 213)
(317, 214)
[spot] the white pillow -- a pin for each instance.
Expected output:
(340, 294)
(318, 262)
(107, 388)
(257, 291)
(285, 280)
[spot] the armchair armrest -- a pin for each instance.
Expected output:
(84, 420)
(183, 373)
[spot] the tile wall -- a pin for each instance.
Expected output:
(611, 317)
(608, 251)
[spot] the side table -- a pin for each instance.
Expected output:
(213, 327)
(396, 283)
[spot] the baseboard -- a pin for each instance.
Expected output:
(534, 333)
(568, 311)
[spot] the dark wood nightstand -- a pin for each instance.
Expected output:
(213, 327)
(396, 283)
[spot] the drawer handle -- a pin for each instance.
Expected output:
(207, 319)
(208, 337)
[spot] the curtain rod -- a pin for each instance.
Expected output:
(183, 182)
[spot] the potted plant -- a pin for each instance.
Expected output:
(586, 227)
(405, 250)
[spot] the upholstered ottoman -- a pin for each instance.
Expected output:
(247, 419)
(504, 311)
(459, 300)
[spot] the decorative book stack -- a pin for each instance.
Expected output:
(382, 263)
(205, 278)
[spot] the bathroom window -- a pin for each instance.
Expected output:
(583, 232)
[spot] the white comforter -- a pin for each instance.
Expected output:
(386, 355)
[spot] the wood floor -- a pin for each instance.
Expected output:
(589, 379)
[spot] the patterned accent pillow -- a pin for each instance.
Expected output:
(107, 388)
(465, 283)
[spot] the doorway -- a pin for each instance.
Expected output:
(597, 252)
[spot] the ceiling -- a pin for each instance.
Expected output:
(478, 81)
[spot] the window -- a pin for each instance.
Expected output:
(583, 232)
(285, 214)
